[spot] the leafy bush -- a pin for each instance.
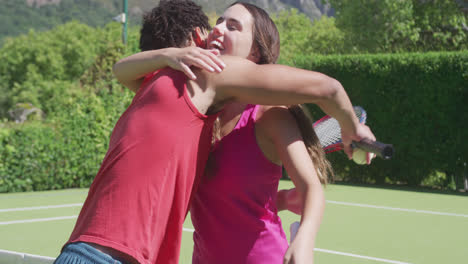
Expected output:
(300, 35)
(67, 150)
(31, 64)
(294, 29)
(415, 101)
(402, 26)
(325, 38)
(67, 73)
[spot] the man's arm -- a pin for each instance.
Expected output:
(270, 84)
(130, 71)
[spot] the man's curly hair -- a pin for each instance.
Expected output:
(171, 23)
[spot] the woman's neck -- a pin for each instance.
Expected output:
(230, 116)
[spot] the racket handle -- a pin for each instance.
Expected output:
(382, 150)
(293, 230)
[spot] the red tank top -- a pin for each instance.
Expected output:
(158, 149)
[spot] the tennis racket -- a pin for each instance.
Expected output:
(293, 230)
(329, 134)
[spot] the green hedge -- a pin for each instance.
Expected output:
(418, 102)
(64, 151)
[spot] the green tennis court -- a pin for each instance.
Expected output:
(361, 225)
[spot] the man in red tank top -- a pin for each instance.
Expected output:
(139, 199)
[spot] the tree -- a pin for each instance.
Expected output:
(300, 35)
(294, 29)
(325, 37)
(376, 25)
(33, 66)
(402, 25)
(16, 17)
(442, 25)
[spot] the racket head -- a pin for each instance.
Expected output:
(293, 228)
(328, 130)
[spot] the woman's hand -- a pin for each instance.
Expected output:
(183, 58)
(360, 132)
(301, 250)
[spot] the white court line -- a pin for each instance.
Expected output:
(8, 196)
(340, 253)
(56, 219)
(40, 207)
(7, 256)
(328, 201)
(359, 256)
(192, 230)
(38, 220)
(397, 209)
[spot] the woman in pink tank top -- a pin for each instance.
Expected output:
(234, 210)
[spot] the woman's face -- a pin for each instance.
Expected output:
(232, 34)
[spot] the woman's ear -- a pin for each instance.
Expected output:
(199, 38)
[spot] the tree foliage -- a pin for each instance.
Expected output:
(299, 34)
(325, 37)
(294, 29)
(30, 65)
(442, 25)
(401, 25)
(16, 17)
(66, 72)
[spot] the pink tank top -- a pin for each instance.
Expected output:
(234, 210)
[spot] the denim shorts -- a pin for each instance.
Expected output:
(82, 253)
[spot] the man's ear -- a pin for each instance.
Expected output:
(198, 38)
(254, 55)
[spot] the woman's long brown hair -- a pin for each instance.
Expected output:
(312, 143)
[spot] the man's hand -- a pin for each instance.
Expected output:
(183, 58)
(289, 200)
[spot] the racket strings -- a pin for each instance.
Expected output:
(328, 130)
